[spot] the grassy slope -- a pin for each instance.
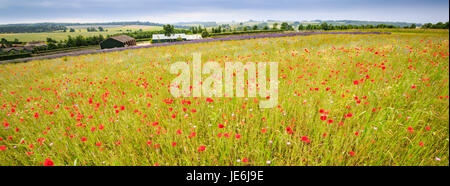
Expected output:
(138, 79)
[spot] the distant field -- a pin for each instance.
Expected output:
(343, 100)
(79, 31)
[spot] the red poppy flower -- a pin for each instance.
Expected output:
(264, 130)
(48, 162)
(304, 138)
(351, 153)
(201, 148)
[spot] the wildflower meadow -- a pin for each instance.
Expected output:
(343, 99)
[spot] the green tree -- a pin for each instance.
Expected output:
(275, 26)
(205, 34)
(284, 26)
(324, 26)
(70, 41)
(301, 27)
(5, 43)
(168, 29)
(427, 25)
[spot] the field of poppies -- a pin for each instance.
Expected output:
(343, 100)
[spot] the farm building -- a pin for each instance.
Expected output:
(35, 43)
(118, 41)
(161, 38)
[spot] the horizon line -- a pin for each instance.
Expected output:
(237, 21)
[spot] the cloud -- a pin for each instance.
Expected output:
(221, 10)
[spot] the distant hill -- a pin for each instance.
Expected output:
(28, 28)
(356, 22)
(196, 23)
(50, 27)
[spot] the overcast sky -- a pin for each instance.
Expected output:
(170, 11)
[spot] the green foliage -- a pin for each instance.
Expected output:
(168, 29)
(205, 34)
(275, 26)
(91, 29)
(438, 25)
(29, 28)
(15, 56)
(301, 27)
(284, 26)
(112, 108)
(70, 42)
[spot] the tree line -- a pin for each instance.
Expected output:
(77, 41)
(17, 28)
(4, 43)
(438, 25)
(167, 30)
(93, 29)
(284, 26)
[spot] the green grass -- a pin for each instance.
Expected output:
(386, 127)
(60, 35)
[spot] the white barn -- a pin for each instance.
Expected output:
(160, 38)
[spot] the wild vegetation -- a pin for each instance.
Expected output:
(343, 100)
